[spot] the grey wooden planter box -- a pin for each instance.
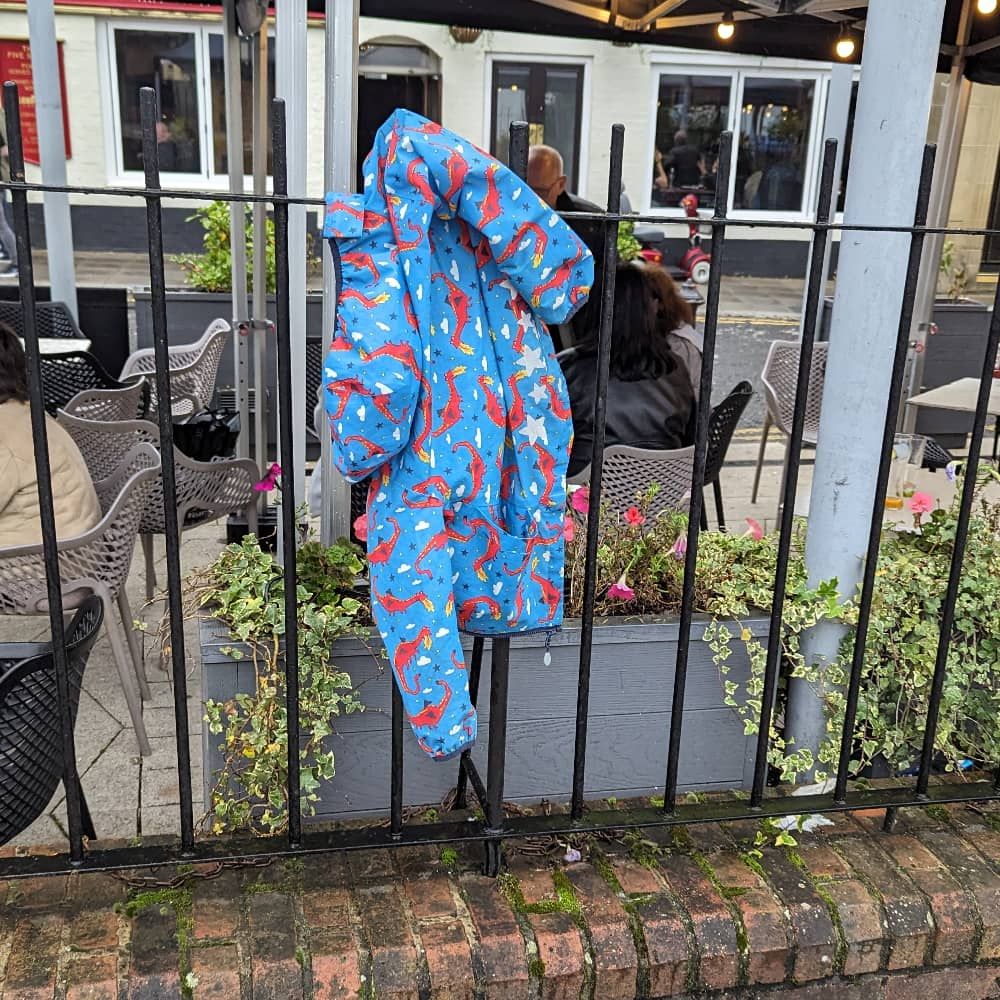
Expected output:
(630, 699)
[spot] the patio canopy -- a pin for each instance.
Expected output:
(801, 29)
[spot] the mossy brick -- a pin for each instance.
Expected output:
(417, 862)
(389, 939)
(430, 895)
(634, 878)
(669, 945)
(905, 911)
(945, 984)
(764, 923)
(216, 971)
(92, 929)
(92, 976)
(708, 838)
(952, 909)
(714, 929)
(560, 952)
(43, 892)
(612, 943)
(277, 974)
(367, 866)
(822, 861)
(216, 906)
(31, 968)
(336, 963)
(860, 919)
(449, 958)
(981, 881)
(501, 946)
(95, 891)
(816, 941)
(154, 940)
(535, 882)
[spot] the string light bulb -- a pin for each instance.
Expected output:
(987, 6)
(725, 29)
(845, 42)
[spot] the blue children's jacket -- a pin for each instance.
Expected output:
(441, 380)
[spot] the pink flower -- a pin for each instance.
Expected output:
(921, 503)
(579, 500)
(569, 528)
(361, 527)
(754, 530)
(634, 517)
(679, 549)
(270, 481)
(621, 591)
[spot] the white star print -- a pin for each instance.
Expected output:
(538, 393)
(530, 359)
(525, 322)
(534, 430)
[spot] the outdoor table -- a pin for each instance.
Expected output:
(960, 395)
(60, 345)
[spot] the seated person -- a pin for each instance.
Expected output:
(650, 402)
(73, 496)
(675, 319)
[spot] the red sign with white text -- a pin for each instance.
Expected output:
(15, 65)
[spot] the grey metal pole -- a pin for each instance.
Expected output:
(890, 126)
(838, 107)
(261, 144)
(339, 171)
(951, 128)
(292, 61)
(52, 151)
(237, 223)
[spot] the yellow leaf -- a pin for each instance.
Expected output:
(746, 635)
(248, 752)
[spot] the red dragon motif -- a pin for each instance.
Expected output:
(431, 714)
(451, 412)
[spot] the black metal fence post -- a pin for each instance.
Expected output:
(46, 509)
(289, 527)
(149, 111)
(698, 477)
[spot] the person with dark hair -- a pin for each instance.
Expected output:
(73, 496)
(650, 400)
(676, 323)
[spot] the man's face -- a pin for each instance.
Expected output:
(544, 180)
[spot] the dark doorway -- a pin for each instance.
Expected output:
(393, 76)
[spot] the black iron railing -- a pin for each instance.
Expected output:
(489, 790)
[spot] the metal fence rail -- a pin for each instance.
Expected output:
(496, 827)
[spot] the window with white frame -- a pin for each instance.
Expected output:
(185, 66)
(773, 118)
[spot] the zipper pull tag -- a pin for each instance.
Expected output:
(547, 658)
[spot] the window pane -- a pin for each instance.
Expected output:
(165, 61)
(510, 89)
(220, 163)
(691, 114)
(774, 140)
(848, 139)
(562, 112)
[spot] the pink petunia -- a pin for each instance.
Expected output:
(270, 481)
(679, 549)
(569, 528)
(579, 500)
(754, 530)
(621, 591)
(921, 503)
(634, 517)
(361, 527)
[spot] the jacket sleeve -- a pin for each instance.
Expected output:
(371, 376)
(543, 258)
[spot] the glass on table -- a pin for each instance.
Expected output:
(907, 460)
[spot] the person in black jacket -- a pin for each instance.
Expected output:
(651, 403)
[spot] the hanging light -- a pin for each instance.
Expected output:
(987, 6)
(725, 28)
(845, 41)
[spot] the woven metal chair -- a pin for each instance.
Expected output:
(781, 370)
(96, 562)
(721, 427)
(52, 319)
(67, 375)
(205, 490)
(630, 472)
(193, 370)
(31, 747)
(129, 403)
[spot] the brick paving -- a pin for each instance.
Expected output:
(850, 913)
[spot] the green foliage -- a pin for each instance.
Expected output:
(954, 270)
(734, 581)
(244, 589)
(628, 245)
